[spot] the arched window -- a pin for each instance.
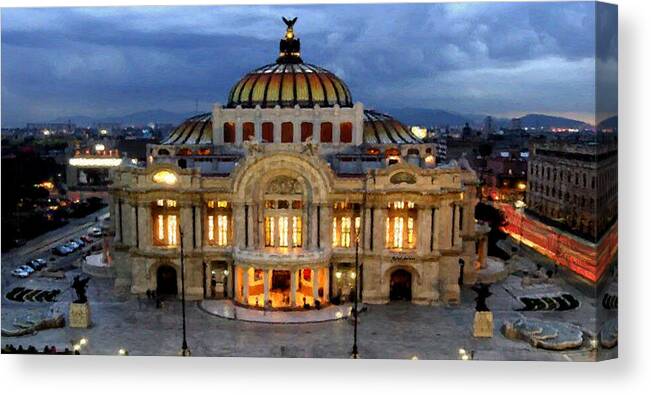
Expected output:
(165, 222)
(267, 132)
(248, 131)
(229, 132)
(163, 152)
(306, 130)
(346, 132)
(412, 151)
(287, 132)
(326, 132)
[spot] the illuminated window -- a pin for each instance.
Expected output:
(218, 218)
(398, 228)
(171, 230)
(165, 226)
(161, 228)
(334, 232)
(387, 235)
(410, 231)
(222, 230)
(211, 228)
(269, 231)
(345, 232)
(283, 231)
(296, 232)
(358, 225)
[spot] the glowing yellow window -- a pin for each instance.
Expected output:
(387, 236)
(160, 202)
(269, 231)
(171, 229)
(345, 231)
(222, 204)
(161, 228)
(211, 228)
(334, 232)
(222, 230)
(283, 231)
(410, 231)
(398, 228)
(297, 240)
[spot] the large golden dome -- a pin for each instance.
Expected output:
(289, 82)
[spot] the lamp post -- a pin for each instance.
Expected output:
(355, 353)
(185, 352)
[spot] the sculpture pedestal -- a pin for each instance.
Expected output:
(483, 324)
(79, 315)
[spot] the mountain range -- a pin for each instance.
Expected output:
(410, 116)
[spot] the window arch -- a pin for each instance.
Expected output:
(326, 132)
(346, 132)
(248, 131)
(287, 132)
(267, 132)
(306, 130)
(229, 132)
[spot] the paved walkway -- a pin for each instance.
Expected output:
(226, 309)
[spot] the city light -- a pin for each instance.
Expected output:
(165, 177)
(95, 162)
(419, 131)
(338, 275)
(103, 132)
(99, 147)
(429, 159)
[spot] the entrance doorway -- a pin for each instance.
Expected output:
(166, 280)
(400, 285)
(281, 283)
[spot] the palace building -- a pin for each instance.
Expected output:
(267, 197)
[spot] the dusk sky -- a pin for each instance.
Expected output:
(503, 59)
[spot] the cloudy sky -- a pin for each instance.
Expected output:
(503, 59)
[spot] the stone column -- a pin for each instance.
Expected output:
(245, 284)
(423, 230)
(238, 225)
(379, 242)
(457, 228)
(315, 283)
(326, 285)
(238, 283)
(296, 128)
(186, 225)
(313, 226)
(326, 227)
(144, 225)
(198, 219)
(277, 131)
(238, 131)
(437, 227)
(267, 280)
(316, 132)
(292, 295)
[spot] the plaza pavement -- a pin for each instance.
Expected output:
(397, 330)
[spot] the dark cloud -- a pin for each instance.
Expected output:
(477, 57)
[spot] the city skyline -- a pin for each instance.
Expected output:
(498, 58)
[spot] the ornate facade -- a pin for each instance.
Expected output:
(270, 194)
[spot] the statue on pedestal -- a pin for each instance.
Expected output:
(79, 285)
(483, 292)
(483, 322)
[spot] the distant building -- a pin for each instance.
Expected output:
(489, 126)
(516, 123)
(506, 177)
(574, 185)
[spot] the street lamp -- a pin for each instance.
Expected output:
(185, 352)
(355, 352)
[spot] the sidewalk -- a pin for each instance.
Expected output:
(226, 309)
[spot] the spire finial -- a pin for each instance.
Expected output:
(290, 47)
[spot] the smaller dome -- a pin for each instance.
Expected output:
(381, 128)
(195, 130)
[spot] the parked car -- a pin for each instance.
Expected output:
(95, 232)
(61, 250)
(87, 239)
(26, 268)
(80, 242)
(19, 273)
(38, 263)
(74, 246)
